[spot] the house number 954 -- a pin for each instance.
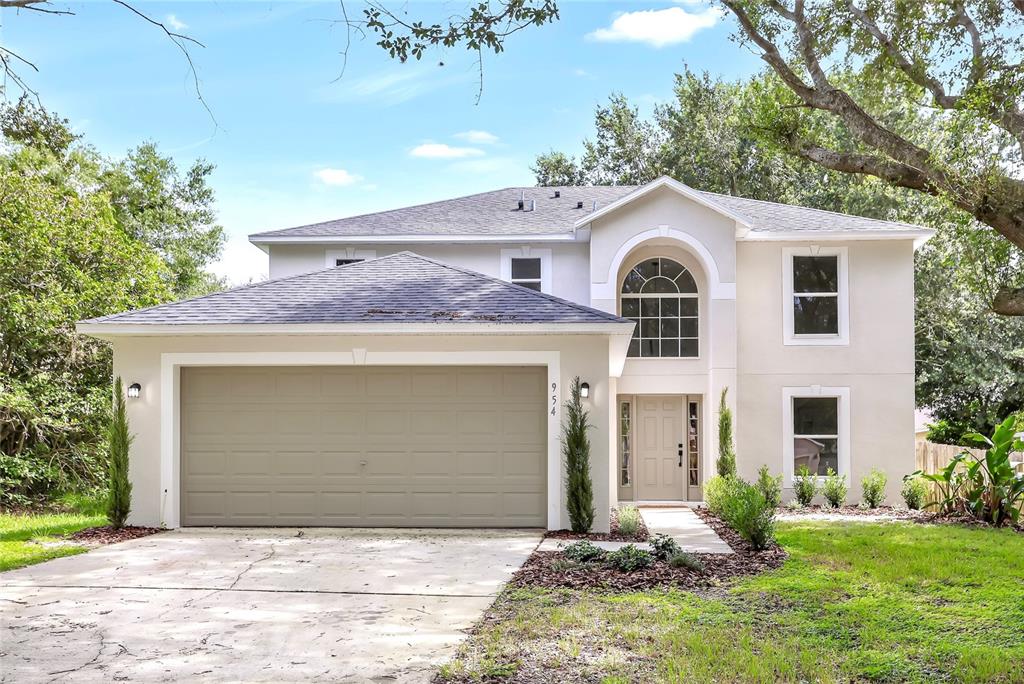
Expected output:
(554, 397)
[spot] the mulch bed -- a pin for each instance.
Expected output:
(552, 570)
(851, 511)
(101, 536)
(641, 535)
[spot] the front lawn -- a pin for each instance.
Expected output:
(23, 535)
(887, 602)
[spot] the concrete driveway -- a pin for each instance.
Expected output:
(255, 605)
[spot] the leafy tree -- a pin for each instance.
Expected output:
(579, 489)
(927, 96)
(171, 212)
(119, 487)
(726, 462)
(62, 258)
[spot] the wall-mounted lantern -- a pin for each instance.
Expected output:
(134, 390)
(585, 390)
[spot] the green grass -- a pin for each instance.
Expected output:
(23, 535)
(897, 602)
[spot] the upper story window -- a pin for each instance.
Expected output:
(661, 297)
(526, 271)
(527, 266)
(816, 300)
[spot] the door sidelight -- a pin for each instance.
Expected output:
(680, 455)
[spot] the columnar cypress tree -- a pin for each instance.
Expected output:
(726, 463)
(576, 452)
(119, 494)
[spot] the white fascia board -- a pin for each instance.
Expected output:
(919, 236)
(259, 240)
(104, 330)
(664, 182)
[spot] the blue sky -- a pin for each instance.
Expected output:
(293, 144)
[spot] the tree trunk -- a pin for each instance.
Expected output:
(1009, 302)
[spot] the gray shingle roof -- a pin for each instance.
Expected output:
(487, 213)
(496, 214)
(400, 288)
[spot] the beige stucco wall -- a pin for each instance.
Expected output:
(138, 359)
(568, 260)
(877, 365)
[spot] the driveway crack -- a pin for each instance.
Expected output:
(273, 550)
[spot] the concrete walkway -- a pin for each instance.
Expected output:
(682, 524)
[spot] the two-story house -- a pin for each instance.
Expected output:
(409, 367)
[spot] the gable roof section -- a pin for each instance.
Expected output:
(402, 288)
(495, 216)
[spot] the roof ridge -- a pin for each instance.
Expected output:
(543, 295)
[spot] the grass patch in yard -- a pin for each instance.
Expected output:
(22, 532)
(889, 602)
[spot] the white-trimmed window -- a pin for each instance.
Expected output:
(347, 255)
(816, 430)
(660, 296)
(527, 267)
(625, 442)
(816, 300)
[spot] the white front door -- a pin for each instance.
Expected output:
(661, 475)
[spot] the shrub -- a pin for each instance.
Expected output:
(913, 492)
(664, 547)
(726, 463)
(629, 558)
(987, 488)
(576, 452)
(770, 487)
(805, 486)
(717, 491)
(682, 559)
(119, 496)
(629, 520)
(873, 488)
(834, 490)
(583, 551)
(749, 514)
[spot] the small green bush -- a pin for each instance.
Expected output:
(834, 490)
(583, 551)
(769, 486)
(913, 492)
(664, 547)
(682, 559)
(629, 520)
(717, 492)
(629, 558)
(873, 488)
(750, 515)
(805, 486)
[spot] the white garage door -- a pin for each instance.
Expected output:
(344, 446)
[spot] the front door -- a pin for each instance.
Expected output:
(661, 471)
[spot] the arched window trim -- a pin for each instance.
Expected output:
(677, 323)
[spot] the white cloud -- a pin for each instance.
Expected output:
(390, 87)
(431, 150)
(477, 137)
(339, 177)
(175, 23)
(657, 28)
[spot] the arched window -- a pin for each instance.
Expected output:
(660, 295)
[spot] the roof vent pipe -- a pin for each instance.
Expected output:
(595, 206)
(558, 193)
(579, 205)
(528, 205)
(520, 204)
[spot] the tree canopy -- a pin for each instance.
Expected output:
(80, 236)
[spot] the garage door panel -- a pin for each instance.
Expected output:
(452, 447)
